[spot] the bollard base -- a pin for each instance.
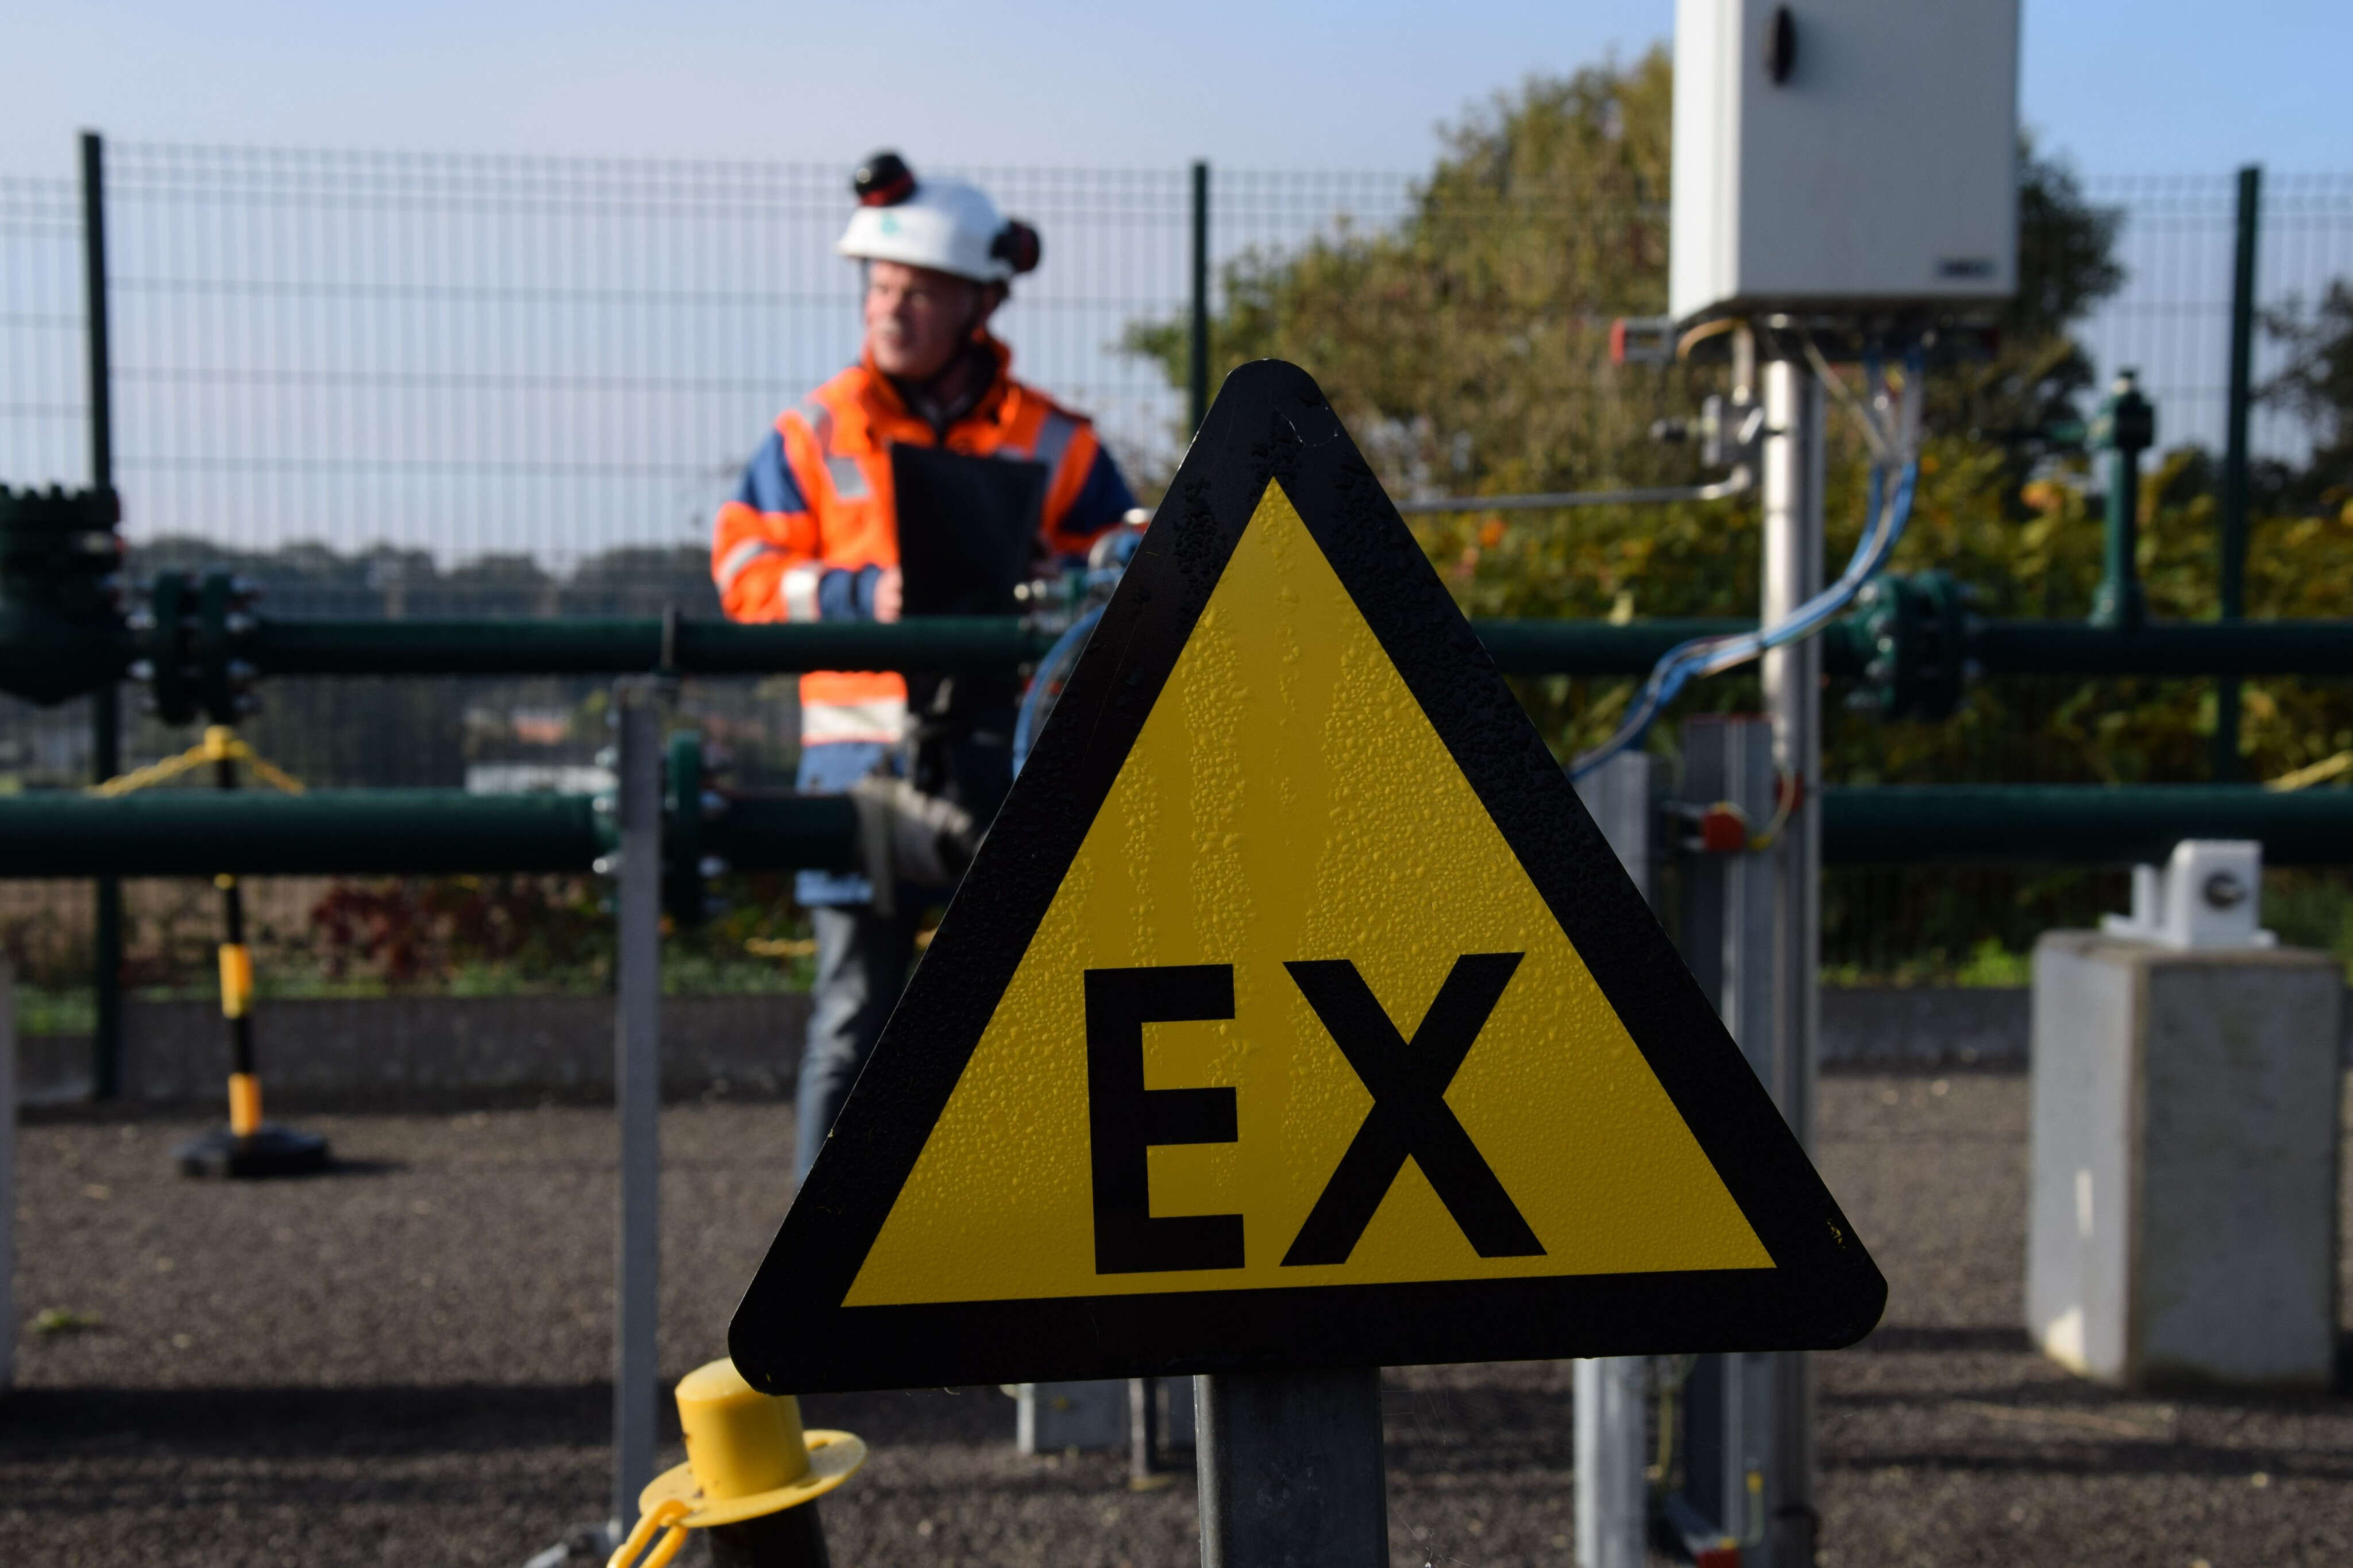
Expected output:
(270, 1150)
(583, 1544)
(789, 1538)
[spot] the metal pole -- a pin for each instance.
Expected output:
(1201, 339)
(1290, 1469)
(8, 1175)
(2232, 573)
(1612, 1519)
(1793, 701)
(237, 984)
(636, 1087)
(1612, 1510)
(105, 709)
(1143, 1432)
(1729, 924)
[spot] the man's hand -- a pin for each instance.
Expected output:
(889, 594)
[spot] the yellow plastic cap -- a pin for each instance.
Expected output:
(739, 1441)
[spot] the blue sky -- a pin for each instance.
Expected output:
(2124, 85)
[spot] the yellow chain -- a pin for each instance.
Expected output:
(220, 744)
(664, 1517)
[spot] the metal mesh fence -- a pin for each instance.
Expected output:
(472, 372)
(468, 379)
(2171, 321)
(395, 384)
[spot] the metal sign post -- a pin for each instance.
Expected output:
(1793, 701)
(636, 1088)
(1290, 1469)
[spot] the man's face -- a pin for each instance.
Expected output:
(917, 318)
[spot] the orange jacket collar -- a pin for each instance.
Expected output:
(887, 407)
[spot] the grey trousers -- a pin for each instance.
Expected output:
(861, 965)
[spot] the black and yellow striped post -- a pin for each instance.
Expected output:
(248, 1146)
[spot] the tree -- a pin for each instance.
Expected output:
(1467, 349)
(2318, 385)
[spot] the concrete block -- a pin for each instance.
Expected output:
(2182, 1220)
(1058, 1415)
(1053, 1416)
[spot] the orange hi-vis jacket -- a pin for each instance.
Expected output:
(813, 522)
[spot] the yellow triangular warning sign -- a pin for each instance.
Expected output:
(1294, 1012)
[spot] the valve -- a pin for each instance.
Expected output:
(1910, 635)
(688, 805)
(191, 644)
(62, 623)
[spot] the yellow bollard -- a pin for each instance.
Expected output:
(747, 1458)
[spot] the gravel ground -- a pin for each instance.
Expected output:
(404, 1363)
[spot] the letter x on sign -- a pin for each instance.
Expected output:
(1409, 1118)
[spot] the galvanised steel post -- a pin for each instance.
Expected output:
(1728, 939)
(1291, 1469)
(637, 1090)
(1608, 1410)
(1793, 701)
(2125, 427)
(1198, 408)
(2232, 569)
(105, 708)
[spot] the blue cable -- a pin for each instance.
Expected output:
(1050, 669)
(1715, 655)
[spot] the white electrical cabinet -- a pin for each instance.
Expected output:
(1842, 154)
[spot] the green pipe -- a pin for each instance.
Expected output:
(778, 833)
(1591, 648)
(721, 648)
(2076, 824)
(617, 645)
(2165, 648)
(1526, 647)
(43, 668)
(360, 832)
(201, 833)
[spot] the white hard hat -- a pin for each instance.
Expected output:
(944, 225)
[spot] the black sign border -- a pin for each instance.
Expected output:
(1270, 422)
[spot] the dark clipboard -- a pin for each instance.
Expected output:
(967, 529)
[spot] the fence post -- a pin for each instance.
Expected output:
(1199, 351)
(105, 711)
(637, 1090)
(2231, 575)
(7, 1176)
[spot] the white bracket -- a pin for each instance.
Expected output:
(2209, 896)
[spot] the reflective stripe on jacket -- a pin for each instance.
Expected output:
(812, 525)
